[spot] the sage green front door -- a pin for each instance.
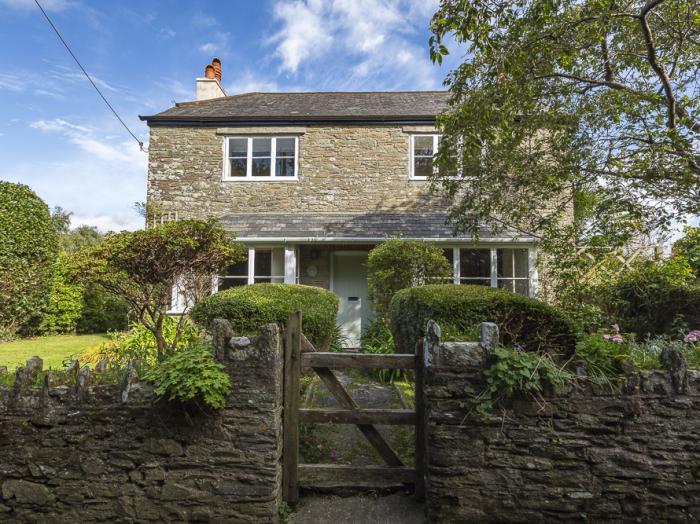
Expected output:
(349, 282)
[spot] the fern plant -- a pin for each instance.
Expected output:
(191, 374)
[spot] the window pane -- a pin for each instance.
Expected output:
(238, 167)
(476, 281)
(263, 264)
(522, 287)
(261, 167)
(285, 147)
(262, 147)
(423, 146)
(422, 167)
(449, 255)
(506, 283)
(284, 167)
(227, 283)
(512, 263)
(475, 263)
(238, 147)
(237, 270)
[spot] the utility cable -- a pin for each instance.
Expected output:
(65, 44)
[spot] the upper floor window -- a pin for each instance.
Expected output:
(422, 151)
(262, 158)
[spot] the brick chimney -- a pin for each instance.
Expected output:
(210, 86)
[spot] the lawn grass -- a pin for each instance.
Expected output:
(53, 350)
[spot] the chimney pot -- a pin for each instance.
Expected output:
(209, 71)
(217, 68)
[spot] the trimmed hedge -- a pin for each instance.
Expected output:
(248, 308)
(459, 309)
(28, 251)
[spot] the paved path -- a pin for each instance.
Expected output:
(360, 509)
(347, 445)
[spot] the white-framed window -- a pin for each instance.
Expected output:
(511, 268)
(261, 158)
(263, 265)
(422, 150)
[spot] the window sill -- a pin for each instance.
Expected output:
(270, 180)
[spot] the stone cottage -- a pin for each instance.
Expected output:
(310, 182)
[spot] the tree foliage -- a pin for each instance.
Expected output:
(397, 264)
(565, 98)
(28, 251)
(688, 247)
(143, 267)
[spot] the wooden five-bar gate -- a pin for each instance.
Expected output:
(300, 353)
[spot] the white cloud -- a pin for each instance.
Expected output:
(114, 222)
(104, 148)
(249, 82)
(218, 45)
(376, 37)
(304, 33)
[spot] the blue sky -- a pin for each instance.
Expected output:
(58, 137)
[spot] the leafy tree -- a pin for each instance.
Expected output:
(64, 306)
(61, 219)
(688, 247)
(28, 250)
(81, 237)
(143, 267)
(567, 98)
(397, 264)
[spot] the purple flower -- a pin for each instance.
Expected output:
(617, 338)
(333, 456)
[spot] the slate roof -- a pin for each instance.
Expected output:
(418, 106)
(369, 226)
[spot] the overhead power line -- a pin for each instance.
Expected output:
(65, 44)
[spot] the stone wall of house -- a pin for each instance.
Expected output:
(581, 454)
(341, 168)
(98, 453)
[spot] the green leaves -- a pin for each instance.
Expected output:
(190, 375)
(28, 251)
(516, 373)
(398, 264)
(558, 97)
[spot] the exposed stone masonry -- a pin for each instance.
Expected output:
(80, 453)
(341, 168)
(588, 454)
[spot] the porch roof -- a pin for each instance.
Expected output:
(373, 226)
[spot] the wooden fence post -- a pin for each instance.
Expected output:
(419, 490)
(292, 374)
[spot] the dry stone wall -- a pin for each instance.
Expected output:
(341, 168)
(98, 453)
(589, 454)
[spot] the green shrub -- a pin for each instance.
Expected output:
(248, 308)
(527, 322)
(102, 311)
(191, 374)
(688, 247)
(604, 358)
(377, 339)
(397, 264)
(65, 303)
(653, 298)
(140, 343)
(514, 373)
(28, 251)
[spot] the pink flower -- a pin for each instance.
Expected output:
(333, 456)
(693, 336)
(614, 338)
(616, 328)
